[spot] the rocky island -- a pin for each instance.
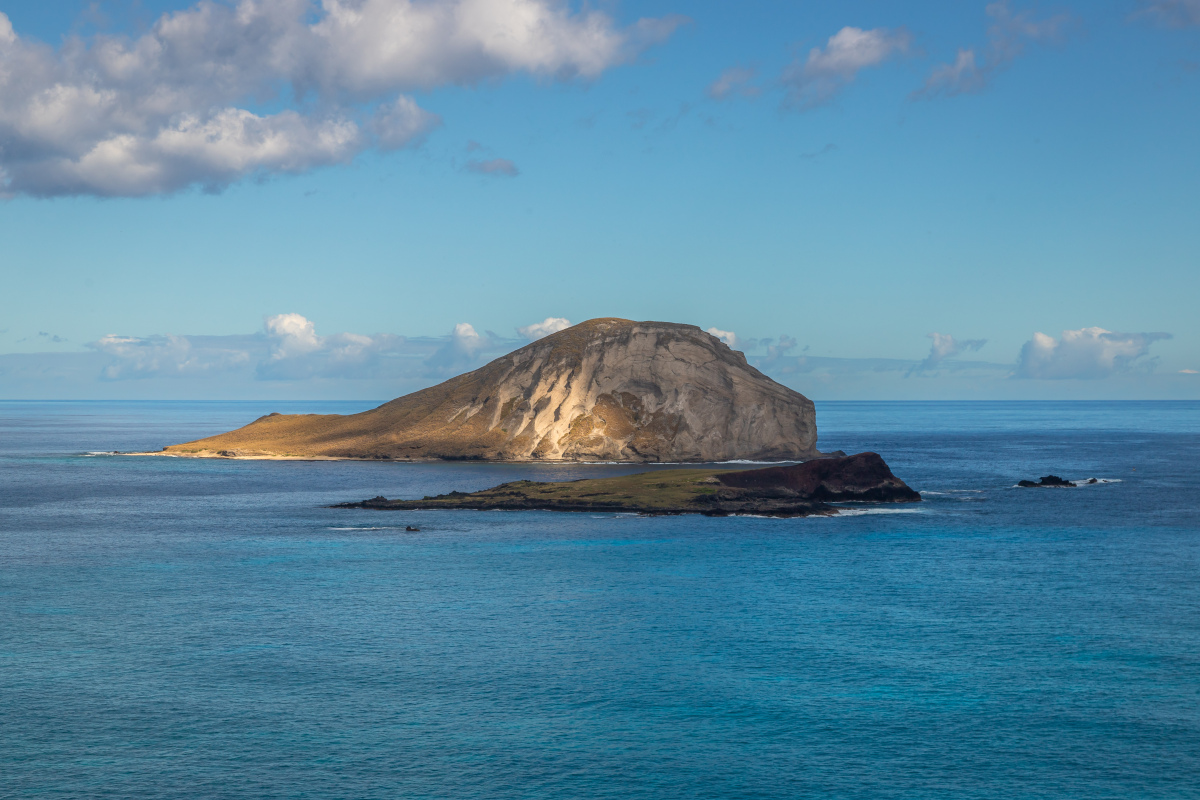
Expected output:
(791, 491)
(1054, 482)
(604, 390)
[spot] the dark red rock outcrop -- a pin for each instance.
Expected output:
(864, 476)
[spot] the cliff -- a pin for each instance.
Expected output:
(603, 390)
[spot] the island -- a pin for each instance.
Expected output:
(797, 490)
(604, 390)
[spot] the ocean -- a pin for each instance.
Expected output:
(175, 628)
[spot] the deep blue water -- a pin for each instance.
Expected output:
(185, 628)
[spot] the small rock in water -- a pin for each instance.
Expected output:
(412, 528)
(1047, 481)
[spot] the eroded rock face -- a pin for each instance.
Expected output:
(604, 390)
(861, 477)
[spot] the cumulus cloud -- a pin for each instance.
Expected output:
(42, 336)
(458, 353)
(826, 71)
(539, 330)
(174, 106)
(297, 352)
(497, 167)
(728, 337)
(1087, 353)
(944, 346)
(1175, 13)
(735, 81)
(1009, 33)
(162, 356)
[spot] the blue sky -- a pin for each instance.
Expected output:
(828, 184)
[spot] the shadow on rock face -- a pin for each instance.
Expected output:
(864, 476)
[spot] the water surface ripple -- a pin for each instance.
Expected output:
(181, 628)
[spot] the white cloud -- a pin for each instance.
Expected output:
(1085, 353)
(459, 353)
(828, 70)
(1175, 13)
(728, 337)
(291, 335)
(1189, 372)
(544, 328)
(401, 123)
(945, 346)
(296, 351)
(162, 356)
(465, 338)
(498, 167)
(734, 81)
(129, 116)
(289, 348)
(1008, 35)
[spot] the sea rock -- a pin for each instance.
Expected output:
(604, 390)
(861, 477)
(1048, 482)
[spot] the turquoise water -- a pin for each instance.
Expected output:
(182, 628)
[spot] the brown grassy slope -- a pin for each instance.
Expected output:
(417, 425)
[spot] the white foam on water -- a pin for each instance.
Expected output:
(381, 528)
(858, 512)
(697, 464)
(1084, 482)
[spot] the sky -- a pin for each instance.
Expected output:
(354, 199)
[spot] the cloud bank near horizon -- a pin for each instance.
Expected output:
(174, 107)
(1086, 354)
(290, 351)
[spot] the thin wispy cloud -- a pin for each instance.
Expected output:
(817, 79)
(944, 347)
(178, 105)
(734, 82)
(42, 336)
(1173, 13)
(134, 357)
(1009, 35)
(495, 167)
